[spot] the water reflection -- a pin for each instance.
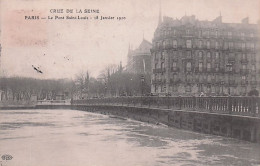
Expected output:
(70, 137)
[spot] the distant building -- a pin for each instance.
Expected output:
(139, 60)
(192, 57)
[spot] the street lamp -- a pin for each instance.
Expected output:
(230, 69)
(142, 84)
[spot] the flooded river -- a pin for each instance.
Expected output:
(78, 138)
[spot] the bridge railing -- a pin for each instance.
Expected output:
(247, 106)
(53, 102)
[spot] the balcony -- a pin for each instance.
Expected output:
(233, 71)
(231, 60)
(244, 71)
(158, 81)
(244, 61)
(175, 69)
(198, 70)
(175, 81)
(159, 70)
(232, 83)
(189, 58)
(244, 82)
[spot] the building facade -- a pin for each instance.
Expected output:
(139, 60)
(192, 57)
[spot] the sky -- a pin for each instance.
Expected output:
(64, 48)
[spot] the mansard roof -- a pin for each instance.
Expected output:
(191, 21)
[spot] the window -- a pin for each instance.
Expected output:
(209, 78)
(174, 43)
(229, 35)
(158, 44)
(208, 56)
(156, 66)
(243, 56)
(174, 32)
(188, 88)
(188, 66)
(200, 55)
(207, 34)
(253, 58)
(155, 88)
(243, 79)
(252, 46)
(175, 88)
(230, 45)
(162, 65)
(200, 78)
(216, 45)
(188, 43)
(200, 44)
(199, 33)
(175, 77)
(165, 33)
(208, 45)
(242, 35)
(251, 35)
(230, 67)
(216, 34)
(253, 68)
(189, 54)
(244, 67)
(209, 88)
(174, 66)
(200, 66)
(187, 32)
(217, 55)
(162, 55)
(208, 66)
(189, 78)
(243, 45)
(217, 67)
(164, 44)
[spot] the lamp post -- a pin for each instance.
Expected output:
(230, 69)
(222, 84)
(142, 85)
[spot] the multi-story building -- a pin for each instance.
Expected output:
(139, 60)
(191, 57)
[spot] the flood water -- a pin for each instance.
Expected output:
(78, 138)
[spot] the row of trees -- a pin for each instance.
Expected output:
(112, 81)
(20, 88)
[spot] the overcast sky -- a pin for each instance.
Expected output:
(63, 48)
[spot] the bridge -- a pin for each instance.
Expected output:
(243, 106)
(237, 117)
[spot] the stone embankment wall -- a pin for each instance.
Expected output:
(235, 126)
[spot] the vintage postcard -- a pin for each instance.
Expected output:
(129, 83)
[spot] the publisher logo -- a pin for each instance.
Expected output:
(6, 157)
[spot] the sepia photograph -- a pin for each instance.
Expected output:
(129, 83)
